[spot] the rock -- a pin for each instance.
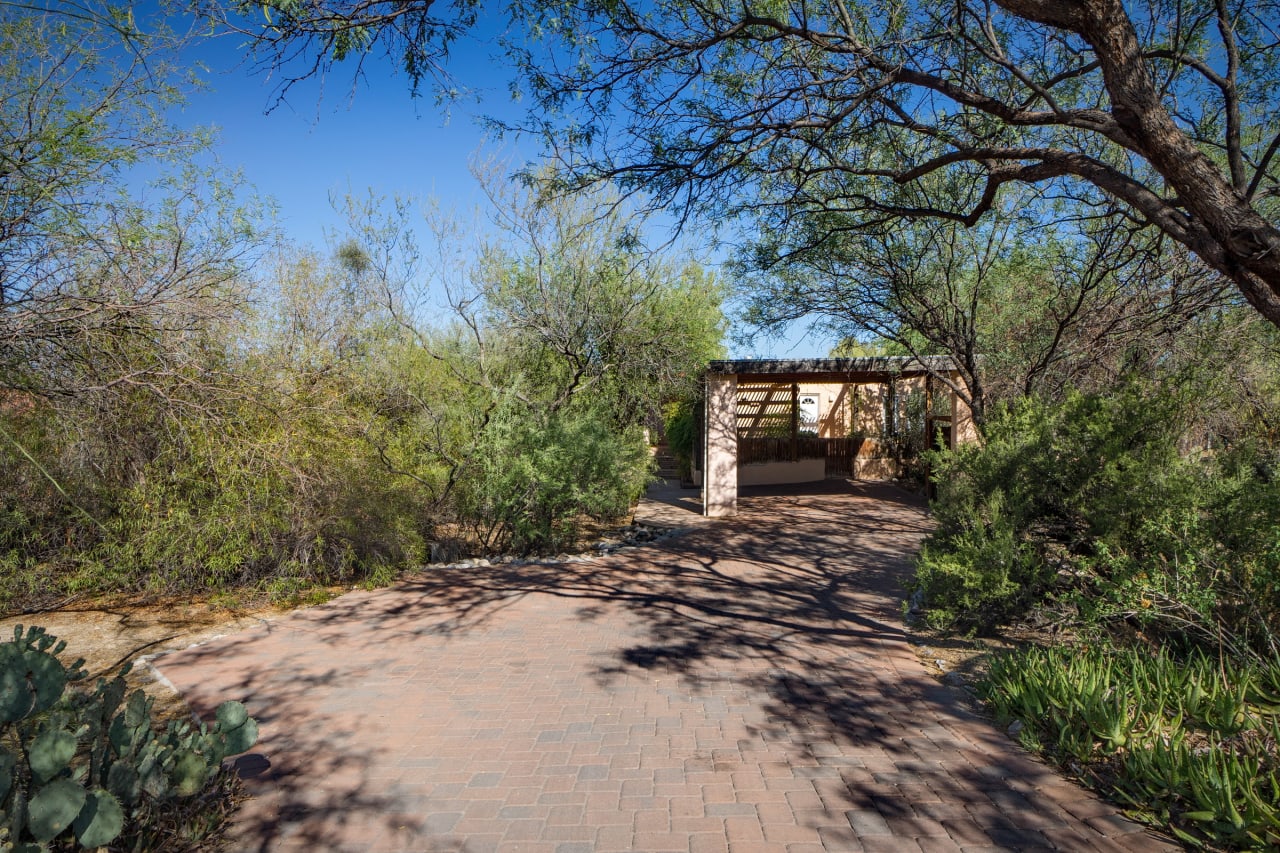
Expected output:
(954, 679)
(1015, 728)
(917, 602)
(444, 552)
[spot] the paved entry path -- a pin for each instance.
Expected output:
(745, 686)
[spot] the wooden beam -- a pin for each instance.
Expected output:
(880, 376)
(795, 421)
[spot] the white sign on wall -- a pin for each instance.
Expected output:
(808, 411)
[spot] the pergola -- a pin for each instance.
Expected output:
(776, 384)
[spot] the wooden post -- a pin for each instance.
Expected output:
(795, 421)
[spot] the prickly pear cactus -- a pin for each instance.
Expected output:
(78, 764)
(236, 730)
(31, 676)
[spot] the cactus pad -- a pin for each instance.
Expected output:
(30, 681)
(99, 821)
(51, 753)
(54, 807)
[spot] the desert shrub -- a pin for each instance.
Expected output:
(681, 428)
(323, 432)
(983, 573)
(276, 486)
(1242, 523)
(298, 478)
(1095, 504)
(43, 500)
(84, 767)
(1073, 468)
(534, 476)
(305, 499)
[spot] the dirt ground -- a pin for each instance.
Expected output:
(107, 635)
(955, 660)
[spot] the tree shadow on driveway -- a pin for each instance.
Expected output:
(776, 635)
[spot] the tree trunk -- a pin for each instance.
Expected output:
(1223, 228)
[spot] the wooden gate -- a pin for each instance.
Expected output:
(839, 453)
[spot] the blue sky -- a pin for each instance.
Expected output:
(330, 136)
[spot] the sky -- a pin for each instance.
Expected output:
(341, 134)
(336, 134)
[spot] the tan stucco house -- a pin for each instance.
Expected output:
(778, 421)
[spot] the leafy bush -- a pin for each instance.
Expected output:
(534, 479)
(1090, 505)
(318, 433)
(88, 767)
(1187, 742)
(985, 572)
(231, 498)
(681, 428)
(253, 503)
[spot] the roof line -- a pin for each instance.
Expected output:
(864, 364)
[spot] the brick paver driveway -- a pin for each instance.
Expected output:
(745, 686)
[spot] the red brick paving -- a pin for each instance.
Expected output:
(743, 687)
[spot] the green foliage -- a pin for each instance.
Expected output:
(198, 440)
(318, 485)
(1094, 508)
(579, 307)
(84, 98)
(904, 438)
(532, 480)
(1073, 468)
(983, 573)
(680, 425)
(87, 765)
(314, 502)
(1187, 742)
(334, 448)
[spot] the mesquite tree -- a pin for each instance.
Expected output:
(785, 110)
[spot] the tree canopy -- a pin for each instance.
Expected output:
(858, 115)
(1020, 310)
(90, 266)
(300, 40)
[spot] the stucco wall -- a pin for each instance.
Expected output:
(833, 408)
(720, 468)
(964, 431)
(867, 402)
(875, 468)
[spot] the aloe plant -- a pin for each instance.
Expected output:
(1142, 709)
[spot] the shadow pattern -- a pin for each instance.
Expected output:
(791, 610)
